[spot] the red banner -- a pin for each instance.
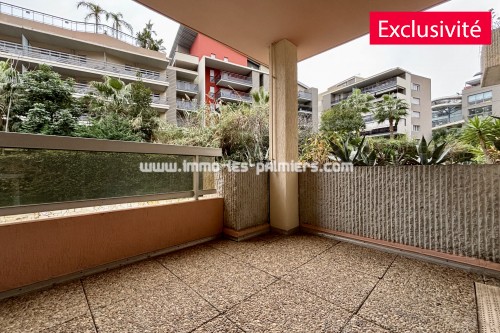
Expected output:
(428, 28)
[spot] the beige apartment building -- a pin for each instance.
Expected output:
(480, 101)
(414, 89)
(80, 50)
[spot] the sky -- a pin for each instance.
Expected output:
(449, 67)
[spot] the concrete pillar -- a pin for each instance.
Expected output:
(283, 127)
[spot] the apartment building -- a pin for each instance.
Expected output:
(80, 50)
(480, 101)
(414, 89)
(447, 112)
(206, 72)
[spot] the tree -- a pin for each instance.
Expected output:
(112, 95)
(392, 109)
(146, 38)
(95, 12)
(44, 100)
(111, 127)
(118, 23)
(260, 96)
(343, 121)
(9, 79)
(144, 117)
(481, 132)
(358, 102)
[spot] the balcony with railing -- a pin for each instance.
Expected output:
(304, 96)
(66, 24)
(229, 95)
(187, 87)
(234, 81)
(184, 105)
(85, 88)
(66, 60)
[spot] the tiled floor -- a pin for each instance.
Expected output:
(298, 283)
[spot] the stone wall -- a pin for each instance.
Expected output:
(453, 209)
(246, 198)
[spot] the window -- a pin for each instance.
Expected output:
(415, 114)
(252, 64)
(416, 128)
(415, 100)
(415, 87)
(480, 98)
(212, 75)
(212, 56)
(212, 92)
(481, 111)
(226, 59)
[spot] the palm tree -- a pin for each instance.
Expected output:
(114, 93)
(260, 97)
(95, 12)
(9, 77)
(392, 109)
(358, 102)
(480, 132)
(119, 23)
(146, 40)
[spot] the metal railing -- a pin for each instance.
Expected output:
(187, 86)
(304, 95)
(84, 88)
(382, 85)
(81, 61)
(62, 157)
(233, 95)
(228, 76)
(63, 23)
(457, 100)
(186, 105)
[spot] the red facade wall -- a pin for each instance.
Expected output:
(205, 46)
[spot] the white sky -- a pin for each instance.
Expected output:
(448, 66)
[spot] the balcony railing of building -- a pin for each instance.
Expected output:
(233, 95)
(84, 88)
(304, 95)
(148, 172)
(228, 76)
(81, 61)
(305, 108)
(446, 119)
(382, 85)
(447, 101)
(186, 105)
(187, 86)
(63, 23)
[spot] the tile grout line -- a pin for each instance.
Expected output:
(88, 305)
(367, 296)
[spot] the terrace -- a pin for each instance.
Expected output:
(395, 249)
(270, 283)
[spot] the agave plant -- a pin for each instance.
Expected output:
(428, 154)
(359, 155)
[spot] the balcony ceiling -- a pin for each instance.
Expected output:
(251, 26)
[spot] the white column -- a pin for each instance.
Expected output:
(283, 127)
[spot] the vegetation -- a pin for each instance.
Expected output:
(8, 84)
(147, 39)
(390, 109)
(95, 12)
(118, 23)
(485, 134)
(344, 121)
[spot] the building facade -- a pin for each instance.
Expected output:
(414, 89)
(204, 72)
(80, 50)
(447, 112)
(480, 101)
